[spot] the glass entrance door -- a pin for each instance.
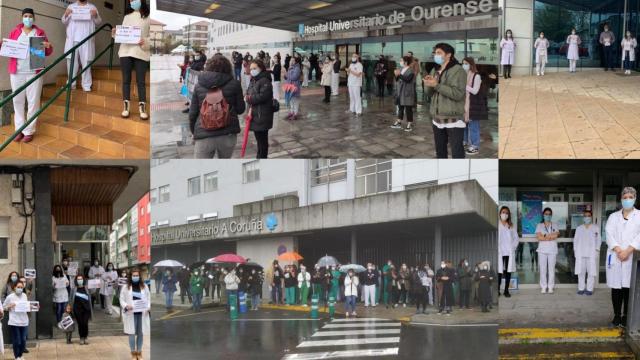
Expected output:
(344, 52)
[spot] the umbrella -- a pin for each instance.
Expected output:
(247, 126)
(355, 267)
(251, 265)
(227, 258)
(168, 263)
(327, 261)
(290, 256)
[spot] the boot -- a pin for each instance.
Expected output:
(134, 355)
(125, 112)
(139, 355)
(143, 111)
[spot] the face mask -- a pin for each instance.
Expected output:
(466, 263)
(401, 63)
(547, 218)
(65, 263)
(28, 22)
(573, 32)
(253, 271)
(504, 216)
(485, 268)
(508, 35)
(80, 282)
(466, 67)
(110, 268)
(370, 267)
(124, 275)
(168, 273)
(136, 4)
(628, 203)
(606, 29)
(628, 34)
(439, 59)
(14, 278)
(443, 265)
(354, 59)
(135, 279)
(195, 273)
(19, 291)
(255, 72)
(95, 263)
(587, 220)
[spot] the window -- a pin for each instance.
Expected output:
(211, 181)
(163, 223)
(193, 219)
(154, 195)
(194, 186)
(4, 238)
(210, 216)
(372, 177)
(325, 171)
(250, 172)
(164, 194)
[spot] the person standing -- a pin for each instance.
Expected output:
(351, 283)
(421, 285)
(629, 44)
(404, 285)
(254, 287)
(507, 59)
(183, 278)
(335, 76)
(231, 281)
(260, 99)
(508, 242)
(135, 320)
(547, 233)
(325, 81)
(293, 77)
(216, 286)
(237, 65)
(446, 86)
(196, 284)
(623, 230)
(380, 72)
(276, 277)
(95, 272)
(465, 281)
(445, 276)
(541, 45)
(276, 71)
(82, 308)
(370, 283)
(304, 283)
(476, 106)
(573, 52)
(607, 39)
(484, 277)
(168, 288)
(316, 283)
(290, 283)
(60, 293)
(405, 93)
(586, 248)
(108, 281)
(287, 62)
(306, 72)
(18, 320)
(20, 72)
(354, 82)
(79, 28)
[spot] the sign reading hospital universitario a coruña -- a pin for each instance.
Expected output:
(417, 13)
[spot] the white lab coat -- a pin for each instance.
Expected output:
(573, 53)
(586, 244)
(108, 278)
(547, 247)
(126, 298)
(95, 272)
(78, 30)
(541, 46)
(304, 277)
(508, 242)
(629, 45)
(622, 233)
(508, 47)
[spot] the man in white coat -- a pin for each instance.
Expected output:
(586, 248)
(507, 244)
(623, 238)
(81, 19)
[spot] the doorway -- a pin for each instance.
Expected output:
(343, 52)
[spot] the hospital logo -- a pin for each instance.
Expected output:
(271, 221)
(301, 29)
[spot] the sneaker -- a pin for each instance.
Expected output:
(417, 312)
(346, 315)
(588, 293)
(543, 291)
(143, 111)
(543, 74)
(404, 305)
(27, 138)
(125, 112)
(472, 151)
(439, 312)
(395, 306)
(185, 111)
(507, 294)
(550, 291)
(409, 128)
(616, 321)
(87, 90)
(580, 292)
(538, 74)
(396, 125)
(18, 137)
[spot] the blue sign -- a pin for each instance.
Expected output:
(301, 29)
(271, 221)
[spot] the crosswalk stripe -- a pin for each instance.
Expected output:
(359, 325)
(356, 332)
(342, 354)
(361, 320)
(343, 342)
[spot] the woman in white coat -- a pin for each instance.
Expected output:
(351, 282)
(547, 233)
(541, 45)
(507, 244)
(107, 288)
(573, 53)
(623, 228)
(136, 322)
(586, 248)
(507, 59)
(306, 65)
(629, 44)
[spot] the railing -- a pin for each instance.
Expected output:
(67, 87)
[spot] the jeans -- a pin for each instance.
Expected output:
(60, 310)
(135, 340)
(350, 304)
(276, 294)
(608, 57)
(255, 301)
(215, 289)
(222, 145)
(128, 64)
(472, 134)
(197, 301)
(628, 64)
(444, 137)
(238, 71)
(168, 296)
(262, 138)
(18, 339)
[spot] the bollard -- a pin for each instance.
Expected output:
(233, 306)
(314, 306)
(332, 306)
(243, 301)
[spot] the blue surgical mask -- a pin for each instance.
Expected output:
(628, 203)
(135, 279)
(587, 220)
(136, 4)
(255, 72)
(27, 21)
(19, 291)
(466, 67)
(14, 278)
(547, 218)
(80, 282)
(439, 59)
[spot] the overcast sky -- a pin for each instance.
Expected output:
(174, 21)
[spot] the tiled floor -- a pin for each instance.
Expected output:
(99, 348)
(588, 115)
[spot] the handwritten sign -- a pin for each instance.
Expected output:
(81, 13)
(123, 281)
(14, 49)
(30, 273)
(72, 270)
(128, 34)
(66, 322)
(22, 306)
(94, 284)
(139, 306)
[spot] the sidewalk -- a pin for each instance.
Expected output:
(588, 115)
(99, 348)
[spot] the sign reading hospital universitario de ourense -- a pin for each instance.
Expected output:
(417, 13)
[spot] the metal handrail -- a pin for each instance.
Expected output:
(67, 87)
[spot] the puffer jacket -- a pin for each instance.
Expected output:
(448, 97)
(232, 92)
(260, 98)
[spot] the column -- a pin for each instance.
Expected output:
(354, 247)
(437, 249)
(44, 250)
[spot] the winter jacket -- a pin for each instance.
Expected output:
(304, 278)
(448, 97)
(327, 73)
(371, 278)
(294, 76)
(465, 277)
(277, 72)
(169, 284)
(14, 35)
(406, 88)
(351, 285)
(232, 92)
(196, 284)
(231, 281)
(260, 98)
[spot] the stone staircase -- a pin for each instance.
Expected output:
(95, 129)
(101, 324)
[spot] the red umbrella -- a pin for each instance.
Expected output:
(227, 258)
(247, 125)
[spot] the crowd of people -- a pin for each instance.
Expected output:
(133, 57)
(224, 88)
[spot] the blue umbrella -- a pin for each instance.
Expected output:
(355, 267)
(327, 261)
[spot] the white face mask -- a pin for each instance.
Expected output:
(443, 265)
(504, 216)
(466, 263)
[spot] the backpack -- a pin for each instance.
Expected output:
(214, 112)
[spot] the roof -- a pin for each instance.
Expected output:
(156, 22)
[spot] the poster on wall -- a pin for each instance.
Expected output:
(531, 212)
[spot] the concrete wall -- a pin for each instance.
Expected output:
(518, 16)
(16, 226)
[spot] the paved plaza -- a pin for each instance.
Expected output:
(323, 130)
(586, 115)
(99, 348)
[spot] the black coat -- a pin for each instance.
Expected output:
(485, 279)
(260, 99)
(198, 65)
(82, 307)
(277, 72)
(232, 91)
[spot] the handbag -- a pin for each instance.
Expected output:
(275, 105)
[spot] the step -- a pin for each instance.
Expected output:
(99, 99)
(111, 86)
(113, 142)
(103, 73)
(565, 351)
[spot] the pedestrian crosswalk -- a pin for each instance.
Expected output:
(351, 338)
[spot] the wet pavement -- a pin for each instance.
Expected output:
(278, 334)
(323, 130)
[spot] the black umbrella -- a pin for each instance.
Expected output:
(251, 265)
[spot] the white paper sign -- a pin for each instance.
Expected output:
(81, 13)
(128, 34)
(34, 306)
(30, 273)
(93, 284)
(72, 270)
(123, 281)
(22, 306)
(66, 322)
(139, 306)
(14, 49)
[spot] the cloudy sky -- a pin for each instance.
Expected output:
(174, 21)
